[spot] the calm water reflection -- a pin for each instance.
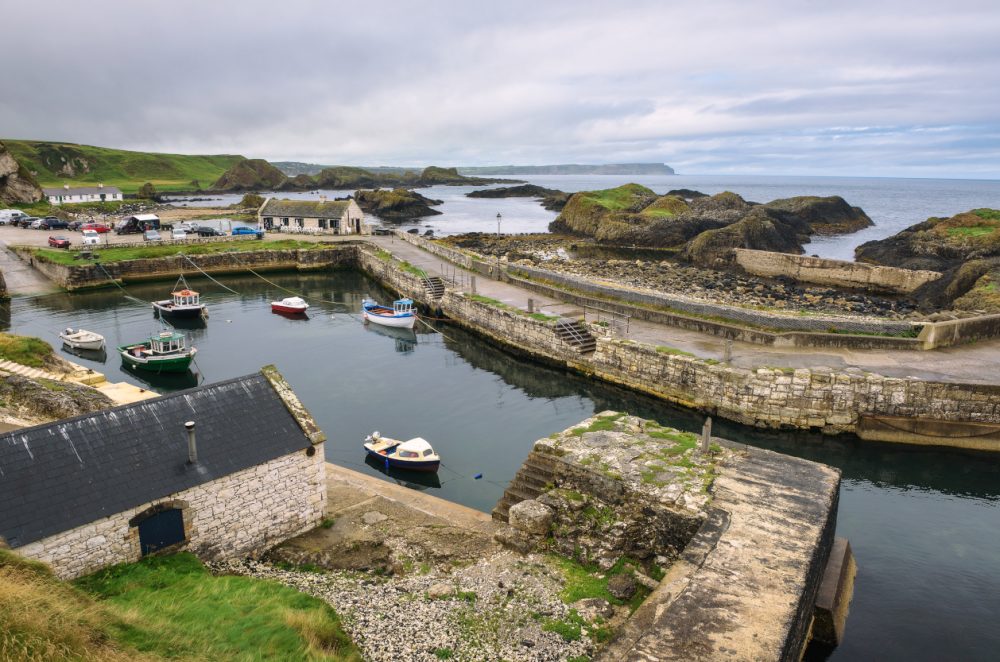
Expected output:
(924, 523)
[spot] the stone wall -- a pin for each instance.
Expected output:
(956, 332)
(87, 275)
(241, 514)
(836, 273)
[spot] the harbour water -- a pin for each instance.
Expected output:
(924, 523)
(892, 203)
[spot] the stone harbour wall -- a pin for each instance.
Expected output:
(244, 513)
(836, 273)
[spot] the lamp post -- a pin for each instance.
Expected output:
(498, 245)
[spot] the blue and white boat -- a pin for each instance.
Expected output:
(415, 454)
(401, 315)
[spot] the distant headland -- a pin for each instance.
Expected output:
(573, 169)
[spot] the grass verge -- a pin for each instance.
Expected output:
(110, 255)
(26, 350)
(172, 606)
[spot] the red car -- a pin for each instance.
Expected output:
(96, 227)
(59, 242)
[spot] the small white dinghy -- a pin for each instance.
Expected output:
(82, 339)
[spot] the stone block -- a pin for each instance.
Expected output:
(531, 517)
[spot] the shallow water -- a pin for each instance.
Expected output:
(924, 523)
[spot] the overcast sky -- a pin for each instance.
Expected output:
(852, 88)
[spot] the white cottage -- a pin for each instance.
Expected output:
(322, 217)
(67, 194)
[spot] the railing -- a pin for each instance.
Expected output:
(618, 324)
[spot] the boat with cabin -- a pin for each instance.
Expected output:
(414, 454)
(401, 315)
(164, 352)
(184, 303)
(290, 306)
(82, 339)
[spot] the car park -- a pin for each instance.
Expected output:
(59, 242)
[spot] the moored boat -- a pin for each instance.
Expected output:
(165, 352)
(414, 454)
(82, 339)
(290, 306)
(184, 303)
(401, 315)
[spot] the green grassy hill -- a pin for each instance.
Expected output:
(56, 164)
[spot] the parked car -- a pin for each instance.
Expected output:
(25, 221)
(74, 225)
(59, 242)
(11, 216)
(36, 224)
(91, 238)
(209, 232)
(96, 227)
(247, 230)
(178, 235)
(53, 223)
(152, 235)
(187, 227)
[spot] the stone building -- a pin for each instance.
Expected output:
(336, 217)
(115, 485)
(99, 193)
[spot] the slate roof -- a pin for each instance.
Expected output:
(61, 475)
(305, 208)
(82, 190)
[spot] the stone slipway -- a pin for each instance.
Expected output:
(745, 587)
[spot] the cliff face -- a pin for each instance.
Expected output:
(248, 175)
(16, 183)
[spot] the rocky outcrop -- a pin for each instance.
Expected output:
(551, 199)
(250, 175)
(436, 175)
(297, 183)
(44, 400)
(16, 183)
(396, 205)
(964, 247)
(761, 229)
(825, 216)
(610, 215)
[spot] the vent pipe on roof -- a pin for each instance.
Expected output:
(192, 447)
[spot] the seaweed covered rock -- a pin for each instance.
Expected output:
(761, 229)
(552, 199)
(248, 175)
(825, 216)
(396, 205)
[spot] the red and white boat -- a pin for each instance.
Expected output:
(290, 306)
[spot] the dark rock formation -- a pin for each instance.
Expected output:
(825, 216)
(16, 183)
(249, 175)
(435, 175)
(609, 215)
(552, 199)
(396, 205)
(965, 248)
(686, 193)
(761, 229)
(297, 183)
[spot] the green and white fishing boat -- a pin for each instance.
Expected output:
(165, 352)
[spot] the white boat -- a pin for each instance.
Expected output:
(414, 454)
(82, 339)
(401, 315)
(184, 303)
(290, 306)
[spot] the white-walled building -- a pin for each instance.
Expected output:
(68, 194)
(324, 217)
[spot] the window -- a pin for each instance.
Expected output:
(428, 452)
(300, 222)
(284, 221)
(322, 223)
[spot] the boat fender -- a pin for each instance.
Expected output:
(478, 476)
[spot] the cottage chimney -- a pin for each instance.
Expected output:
(66, 186)
(192, 447)
(322, 198)
(100, 185)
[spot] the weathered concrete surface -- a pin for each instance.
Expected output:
(975, 435)
(745, 587)
(835, 592)
(20, 278)
(377, 525)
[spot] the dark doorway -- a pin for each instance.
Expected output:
(161, 530)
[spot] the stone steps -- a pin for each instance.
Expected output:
(529, 482)
(434, 286)
(576, 334)
(29, 372)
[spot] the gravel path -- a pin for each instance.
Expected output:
(492, 610)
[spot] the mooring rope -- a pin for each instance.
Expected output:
(207, 275)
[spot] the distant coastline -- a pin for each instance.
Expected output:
(573, 169)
